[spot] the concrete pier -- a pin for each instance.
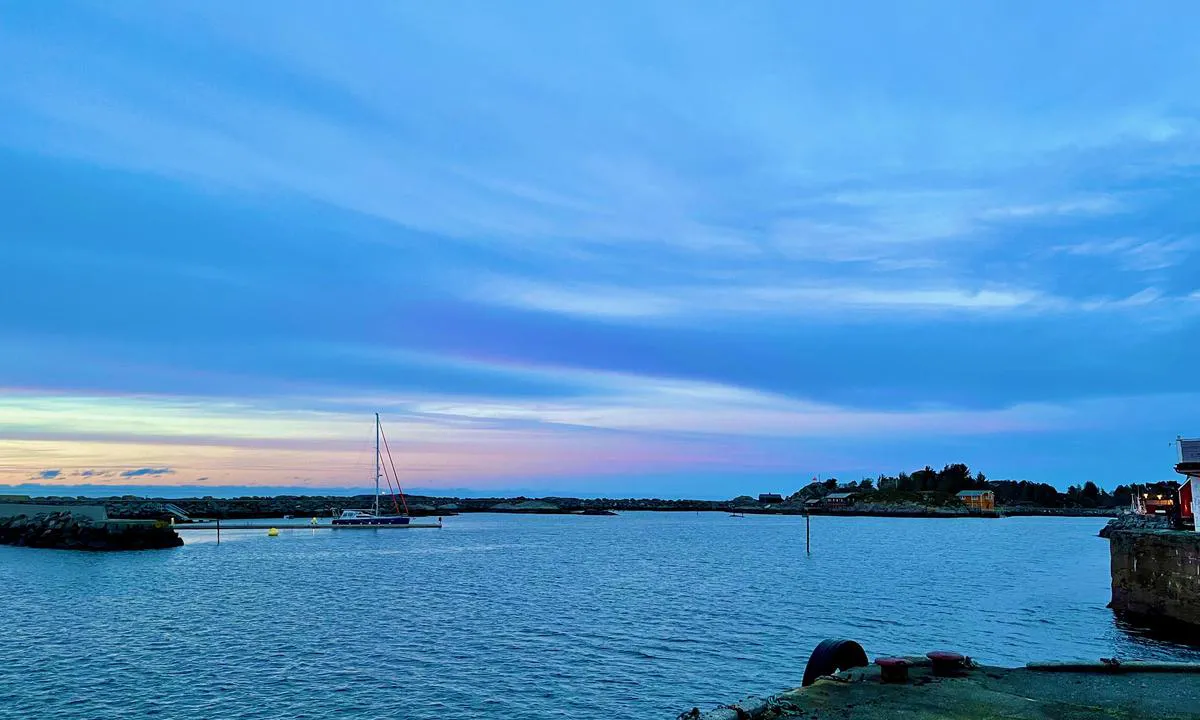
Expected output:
(1075, 691)
(1156, 574)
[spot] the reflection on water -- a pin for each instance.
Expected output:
(1155, 635)
(529, 617)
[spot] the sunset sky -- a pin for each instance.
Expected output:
(624, 248)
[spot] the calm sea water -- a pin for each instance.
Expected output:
(531, 617)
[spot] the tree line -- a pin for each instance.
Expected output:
(955, 478)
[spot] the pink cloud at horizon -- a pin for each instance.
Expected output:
(643, 426)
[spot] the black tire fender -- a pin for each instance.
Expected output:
(831, 656)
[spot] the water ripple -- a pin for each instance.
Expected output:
(534, 617)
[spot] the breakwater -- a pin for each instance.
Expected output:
(65, 530)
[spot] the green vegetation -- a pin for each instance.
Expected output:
(938, 488)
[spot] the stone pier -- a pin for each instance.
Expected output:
(1156, 574)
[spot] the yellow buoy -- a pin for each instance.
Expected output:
(272, 532)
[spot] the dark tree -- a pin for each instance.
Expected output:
(954, 478)
(925, 479)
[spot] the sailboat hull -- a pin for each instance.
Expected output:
(381, 521)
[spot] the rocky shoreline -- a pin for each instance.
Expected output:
(1134, 521)
(304, 506)
(67, 531)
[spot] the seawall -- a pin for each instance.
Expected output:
(1156, 574)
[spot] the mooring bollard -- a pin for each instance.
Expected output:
(947, 663)
(892, 669)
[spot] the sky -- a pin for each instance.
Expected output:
(625, 248)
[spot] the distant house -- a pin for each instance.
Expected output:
(767, 498)
(1157, 499)
(840, 499)
(978, 499)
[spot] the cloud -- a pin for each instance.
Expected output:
(147, 471)
(801, 300)
(1077, 207)
(584, 238)
(673, 406)
(625, 421)
(1136, 254)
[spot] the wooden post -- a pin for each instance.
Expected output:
(808, 533)
(218, 531)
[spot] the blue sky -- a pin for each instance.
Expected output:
(631, 248)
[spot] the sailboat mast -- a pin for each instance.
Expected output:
(376, 464)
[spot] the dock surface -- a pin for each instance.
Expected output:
(1135, 691)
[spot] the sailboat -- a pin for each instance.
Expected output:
(373, 517)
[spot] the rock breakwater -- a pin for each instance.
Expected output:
(1135, 521)
(67, 531)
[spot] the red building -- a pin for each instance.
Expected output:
(1189, 493)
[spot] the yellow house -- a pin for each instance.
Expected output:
(978, 499)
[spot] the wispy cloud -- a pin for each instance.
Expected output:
(146, 471)
(628, 420)
(1138, 254)
(1076, 207)
(812, 300)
